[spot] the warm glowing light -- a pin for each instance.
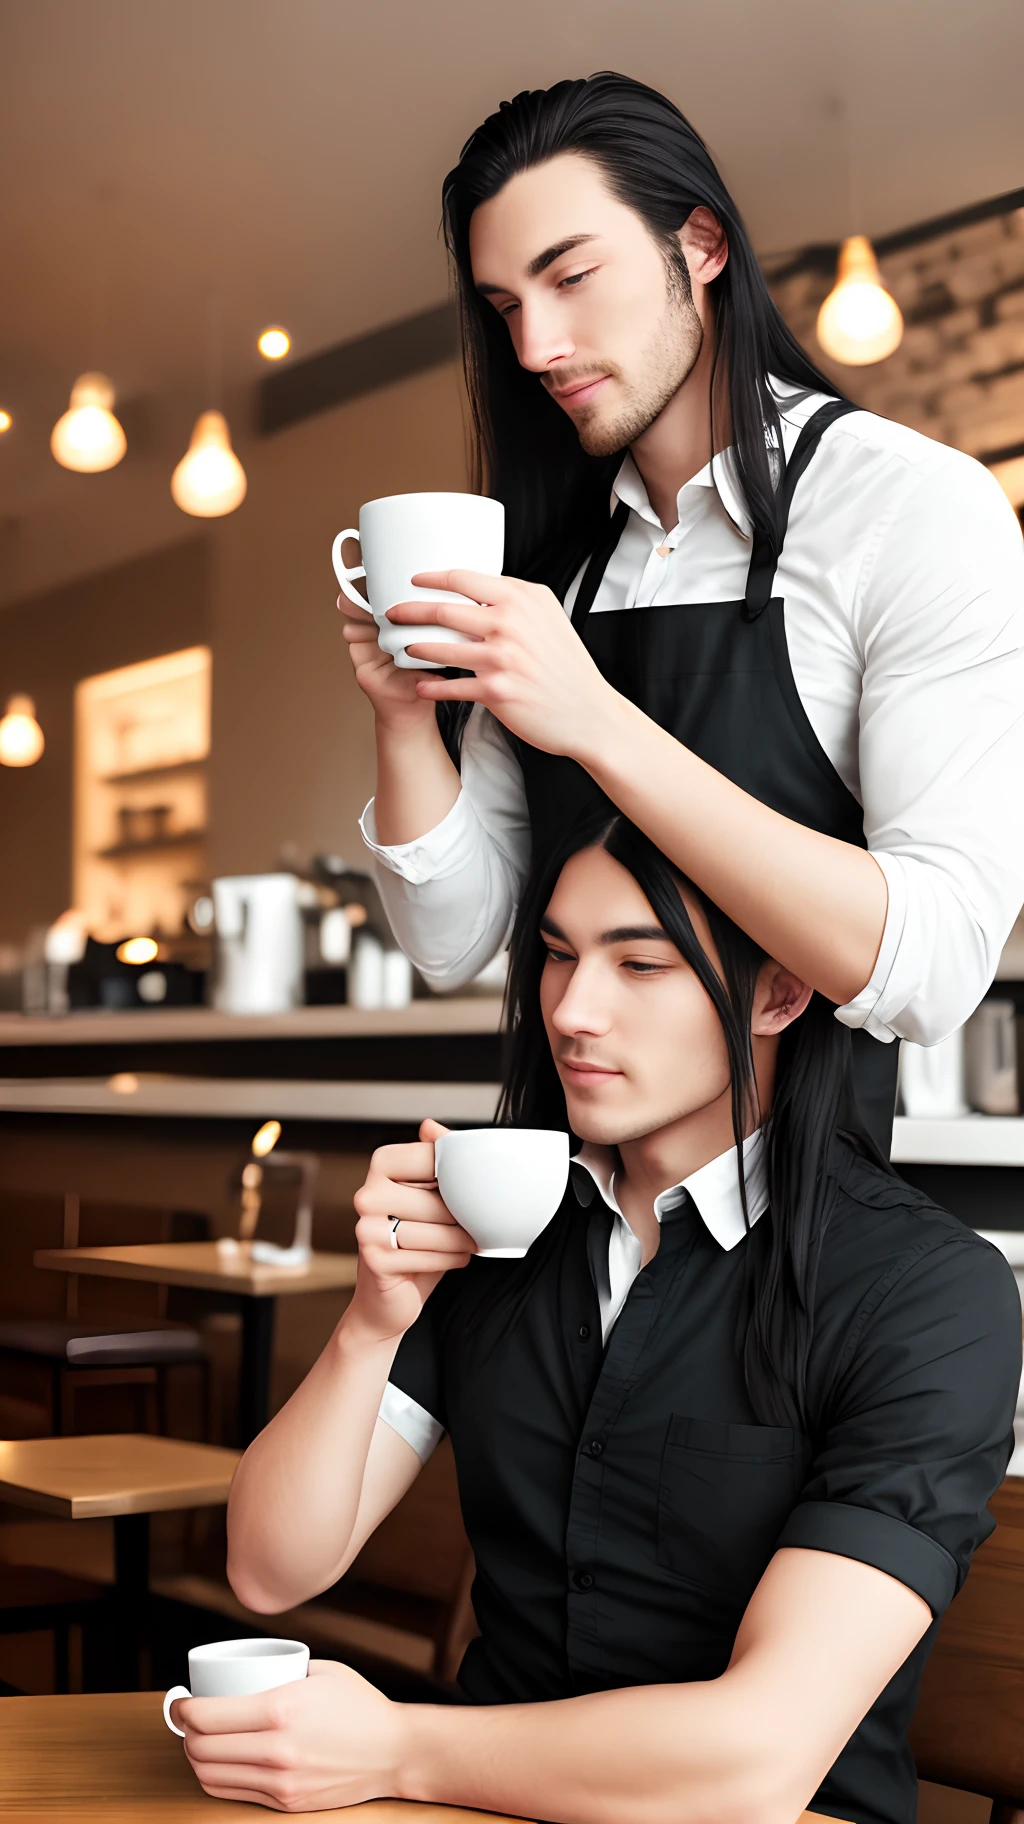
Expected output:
(274, 343)
(21, 738)
(859, 322)
(5, 422)
(209, 480)
(265, 1139)
(137, 950)
(123, 1083)
(88, 437)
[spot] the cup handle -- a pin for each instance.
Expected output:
(172, 1697)
(344, 574)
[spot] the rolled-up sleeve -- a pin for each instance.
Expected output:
(920, 1426)
(940, 626)
(451, 894)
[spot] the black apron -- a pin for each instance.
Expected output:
(717, 676)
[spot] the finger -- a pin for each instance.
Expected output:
(432, 1130)
(475, 618)
(435, 689)
(479, 585)
(346, 605)
(224, 1715)
(442, 652)
(413, 1262)
(406, 1161)
(255, 1749)
(412, 1202)
(414, 1237)
(215, 1781)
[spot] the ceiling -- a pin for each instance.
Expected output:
(286, 159)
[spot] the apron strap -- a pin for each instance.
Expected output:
(591, 579)
(765, 555)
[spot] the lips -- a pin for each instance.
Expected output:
(582, 1072)
(582, 394)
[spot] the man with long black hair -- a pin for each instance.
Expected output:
(724, 1436)
(795, 653)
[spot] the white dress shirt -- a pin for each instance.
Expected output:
(715, 1193)
(903, 580)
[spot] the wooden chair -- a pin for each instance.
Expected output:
(968, 1731)
(105, 1335)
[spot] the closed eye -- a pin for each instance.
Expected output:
(637, 968)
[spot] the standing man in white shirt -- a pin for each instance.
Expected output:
(793, 653)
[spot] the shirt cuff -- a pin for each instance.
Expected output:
(443, 850)
(861, 1010)
(411, 1421)
(874, 1538)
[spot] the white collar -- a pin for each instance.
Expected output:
(714, 1188)
(720, 473)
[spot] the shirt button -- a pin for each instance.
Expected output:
(663, 550)
(584, 1332)
(595, 1447)
(583, 1580)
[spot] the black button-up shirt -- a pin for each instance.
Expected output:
(623, 1501)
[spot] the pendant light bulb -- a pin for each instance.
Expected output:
(209, 480)
(89, 438)
(859, 321)
(21, 738)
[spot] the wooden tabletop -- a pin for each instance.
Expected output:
(130, 1473)
(205, 1265)
(110, 1760)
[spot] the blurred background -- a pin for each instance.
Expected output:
(190, 945)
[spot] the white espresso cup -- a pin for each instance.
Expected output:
(403, 534)
(238, 1668)
(502, 1184)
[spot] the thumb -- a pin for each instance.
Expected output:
(432, 1130)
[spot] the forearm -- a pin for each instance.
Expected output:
(814, 904)
(664, 1754)
(295, 1495)
(417, 783)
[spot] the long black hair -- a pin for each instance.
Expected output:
(527, 453)
(812, 1102)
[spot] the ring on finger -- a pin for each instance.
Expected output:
(395, 1220)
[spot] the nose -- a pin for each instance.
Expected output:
(541, 340)
(583, 1010)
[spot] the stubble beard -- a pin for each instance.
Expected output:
(667, 361)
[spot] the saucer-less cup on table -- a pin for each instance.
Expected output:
(403, 534)
(238, 1668)
(502, 1184)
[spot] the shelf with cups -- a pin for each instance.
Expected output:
(145, 775)
(151, 845)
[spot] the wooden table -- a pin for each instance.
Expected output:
(238, 1281)
(109, 1760)
(128, 1476)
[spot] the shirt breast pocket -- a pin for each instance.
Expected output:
(723, 1498)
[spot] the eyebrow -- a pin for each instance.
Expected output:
(543, 260)
(622, 934)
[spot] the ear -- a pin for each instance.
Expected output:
(779, 998)
(704, 244)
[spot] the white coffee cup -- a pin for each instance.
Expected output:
(403, 534)
(238, 1668)
(502, 1184)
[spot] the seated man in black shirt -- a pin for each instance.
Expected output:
(724, 1436)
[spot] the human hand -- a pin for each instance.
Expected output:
(390, 688)
(531, 668)
(325, 1741)
(394, 1283)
